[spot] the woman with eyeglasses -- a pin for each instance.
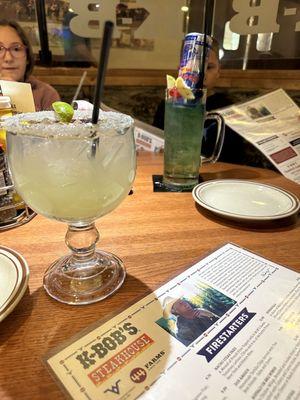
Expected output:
(17, 62)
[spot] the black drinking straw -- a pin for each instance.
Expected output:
(106, 43)
(202, 67)
(210, 7)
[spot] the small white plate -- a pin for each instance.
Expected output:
(14, 275)
(245, 200)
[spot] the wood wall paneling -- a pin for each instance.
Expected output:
(249, 79)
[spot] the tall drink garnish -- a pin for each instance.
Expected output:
(177, 88)
(189, 84)
(104, 54)
(193, 61)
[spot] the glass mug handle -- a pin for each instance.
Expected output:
(219, 139)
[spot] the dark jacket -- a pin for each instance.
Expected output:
(188, 330)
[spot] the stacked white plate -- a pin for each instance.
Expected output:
(14, 275)
(246, 200)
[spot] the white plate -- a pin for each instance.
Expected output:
(14, 275)
(246, 200)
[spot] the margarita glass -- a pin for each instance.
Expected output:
(75, 173)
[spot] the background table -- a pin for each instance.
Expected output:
(156, 234)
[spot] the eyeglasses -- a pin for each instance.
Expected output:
(16, 51)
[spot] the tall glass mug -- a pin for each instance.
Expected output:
(184, 125)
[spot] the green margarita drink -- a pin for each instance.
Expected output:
(75, 172)
(56, 171)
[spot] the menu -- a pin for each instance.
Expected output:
(20, 94)
(147, 137)
(272, 124)
(227, 328)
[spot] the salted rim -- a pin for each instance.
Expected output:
(108, 121)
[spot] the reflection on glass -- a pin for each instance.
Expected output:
(231, 40)
(264, 42)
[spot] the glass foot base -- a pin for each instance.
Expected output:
(86, 282)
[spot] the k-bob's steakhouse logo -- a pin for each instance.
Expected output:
(106, 344)
(118, 361)
(90, 357)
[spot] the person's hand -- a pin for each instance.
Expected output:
(201, 312)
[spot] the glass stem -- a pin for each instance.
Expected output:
(82, 240)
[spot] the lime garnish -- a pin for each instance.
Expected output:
(178, 87)
(183, 89)
(63, 111)
(170, 82)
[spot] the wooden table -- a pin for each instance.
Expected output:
(156, 234)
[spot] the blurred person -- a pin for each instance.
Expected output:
(236, 149)
(214, 100)
(17, 62)
(191, 321)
